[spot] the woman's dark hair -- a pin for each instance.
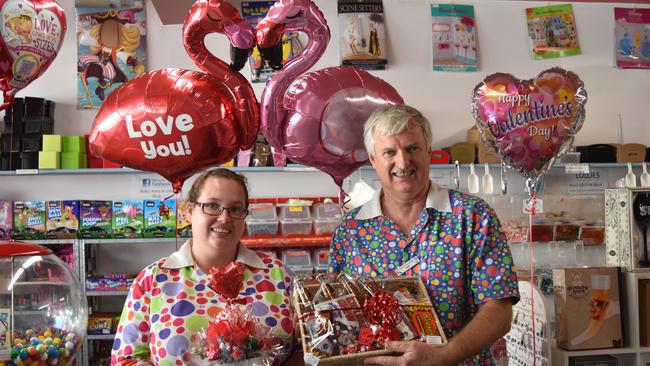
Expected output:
(224, 173)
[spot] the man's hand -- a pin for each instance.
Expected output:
(413, 353)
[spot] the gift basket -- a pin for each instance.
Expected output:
(344, 319)
(235, 336)
(43, 310)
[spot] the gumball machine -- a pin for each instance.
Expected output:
(43, 309)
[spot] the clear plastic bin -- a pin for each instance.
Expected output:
(320, 259)
(295, 220)
(327, 216)
(262, 220)
(298, 261)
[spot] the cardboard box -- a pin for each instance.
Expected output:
(600, 360)
(183, 226)
(587, 308)
(74, 144)
(62, 219)
(644, 313)
(29, 220)
(419, 314)
(160, 218)
(96, 219)
(623, 237)
(49, 160)
(128, 219)
(101, 323)
(6, 219)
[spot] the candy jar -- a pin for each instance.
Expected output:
(43, 309)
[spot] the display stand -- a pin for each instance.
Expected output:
(520, 338)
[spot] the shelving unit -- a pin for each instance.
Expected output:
(276, 182)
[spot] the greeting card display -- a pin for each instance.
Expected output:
(632, 38)
(362, 37)
(453, 30)
(344, 319)
(552, 31)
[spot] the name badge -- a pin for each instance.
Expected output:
(408, 265)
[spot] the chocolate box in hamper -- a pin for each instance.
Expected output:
(334, 329)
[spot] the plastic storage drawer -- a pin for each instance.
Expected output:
(295, 220)
(262, 220)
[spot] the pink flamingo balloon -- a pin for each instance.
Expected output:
(315, 118)
(220, 16)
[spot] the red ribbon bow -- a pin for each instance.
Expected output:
(228, 280)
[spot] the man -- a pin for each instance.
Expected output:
(453, 241)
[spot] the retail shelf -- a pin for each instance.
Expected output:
(100, 336)
(287, 242)
(644, 349)
(31, 312)
(48, 241)
(288, 168)
(41, 283)
(106, 293)
(134, 240)
(603, 351)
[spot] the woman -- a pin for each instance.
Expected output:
(170, 300)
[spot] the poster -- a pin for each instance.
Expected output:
(552, 31)
(632, 36)
(362, 37)
(110, 49)
(453, 31)
(292, 42)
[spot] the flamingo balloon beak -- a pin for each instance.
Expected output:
(272, 55)
(238, 57)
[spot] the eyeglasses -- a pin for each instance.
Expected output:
(215, 209)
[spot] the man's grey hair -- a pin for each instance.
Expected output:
(393, 120)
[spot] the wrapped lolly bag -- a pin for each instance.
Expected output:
(235, 336)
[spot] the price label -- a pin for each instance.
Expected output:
(576, 168)
(539, 205)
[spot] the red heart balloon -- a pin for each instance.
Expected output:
(32, 34)
(171, 121)
(530, 123)
(228, 280)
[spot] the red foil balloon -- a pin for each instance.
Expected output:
(178, 122)
(32, 34)
(171, 121)
(317, 119)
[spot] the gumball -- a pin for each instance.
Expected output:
(69, 346)
(44, 356)
(29, 332)
(47, 341)
(24, 354)
(52, 352)
(14, 353)
(47, 333)
(69, 336)
(34, 341)
(63, 352)
(56, 341)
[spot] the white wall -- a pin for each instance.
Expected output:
(443, 97)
